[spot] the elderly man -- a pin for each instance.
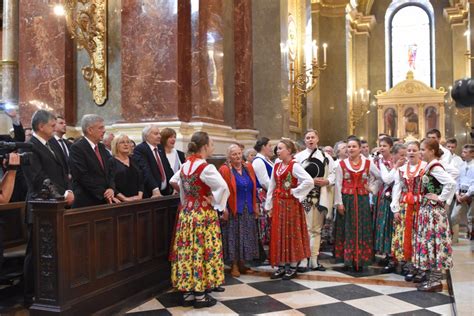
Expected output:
(152, 160)
(89, 163)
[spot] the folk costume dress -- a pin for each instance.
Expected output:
(240, 231)
(433, 238)
(196, 255)
(354, 230)
(406, 200)
(289, 186)
(384, 217)
(263, 171)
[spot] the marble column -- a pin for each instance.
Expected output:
(207, 62)
(243, 64)
(10, 52)
(150, 60)
(46, 65)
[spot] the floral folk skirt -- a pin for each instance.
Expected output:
(354, 234)
(289, 234)
(196, 255)
(384, 227)
(264, 221)
(240, 237)
(433, 239)
(404, 233)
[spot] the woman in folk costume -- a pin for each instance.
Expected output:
(240, 228)
(383, 217)
(399, 152)
(289, 186)
(196, 256)
(354, 233)
(263, 167)
(406, 199)
(433, 251)
(319, 202)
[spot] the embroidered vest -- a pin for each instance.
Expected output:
(284, 182)
(194, 190)
(355, 182)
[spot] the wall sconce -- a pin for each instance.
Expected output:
(86, 22)
(360, 105)
(301, 83)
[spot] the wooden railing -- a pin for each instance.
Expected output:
(103, 259)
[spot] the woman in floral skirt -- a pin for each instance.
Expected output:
(405, 205)
(196, 256)
(433, 252)
(289, 186)
(354, 233)
(398, 152)
(383, 215)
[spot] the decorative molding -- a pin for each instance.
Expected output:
(360, 23)
(410, 91)
(330, 8)
(222, 135)
(87, 23)
(47, 261)
(456, 14)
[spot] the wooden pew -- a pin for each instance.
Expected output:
(13, 214)
(103, 259)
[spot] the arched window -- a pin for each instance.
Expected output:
(409, 45)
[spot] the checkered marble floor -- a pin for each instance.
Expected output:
(256, 294)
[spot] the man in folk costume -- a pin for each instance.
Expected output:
(319, 202)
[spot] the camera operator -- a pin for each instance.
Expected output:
(6, 189)
(45, 163)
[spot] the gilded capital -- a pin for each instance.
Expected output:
(456, 14)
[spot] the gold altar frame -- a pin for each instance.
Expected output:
(415, 94)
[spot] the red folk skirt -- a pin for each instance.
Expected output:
(289, 239)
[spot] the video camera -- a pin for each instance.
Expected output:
(7, 147)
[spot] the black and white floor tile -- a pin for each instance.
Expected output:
(257, 295)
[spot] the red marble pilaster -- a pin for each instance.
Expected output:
(150, 60)
(46, 66)
(207, 64)
(243, 64)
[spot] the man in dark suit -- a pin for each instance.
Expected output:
(151, 158)
(60, 143)
(45, 163)
(93, 181)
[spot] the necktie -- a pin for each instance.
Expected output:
(63, 146)
(97, 153)
(160, 164)
(49, 148)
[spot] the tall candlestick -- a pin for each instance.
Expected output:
(325, 46)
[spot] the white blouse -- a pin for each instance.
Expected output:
(373, 179)
(261, 170)
(211, 177)
(305, 185)
(173, 159)
(397, 187)
(449, 185)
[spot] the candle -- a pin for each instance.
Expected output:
(362, 98)
(468, 39)
(315, 50)
(325, 46)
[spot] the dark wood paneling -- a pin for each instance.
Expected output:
(113, 255)
(126, 241)
(104, 247)
(80, 251)
(13, 216)
(144, 236)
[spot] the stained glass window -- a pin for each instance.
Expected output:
(410, 44)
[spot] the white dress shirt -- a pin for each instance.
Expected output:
(466, 177)
(157, 153)
(261, 170)
(397, 187)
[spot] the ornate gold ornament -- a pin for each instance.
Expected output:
(87, 23)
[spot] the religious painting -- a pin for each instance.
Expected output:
(390, 122)
(410, 121)
(431, 118)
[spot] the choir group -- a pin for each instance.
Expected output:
(394, 204)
